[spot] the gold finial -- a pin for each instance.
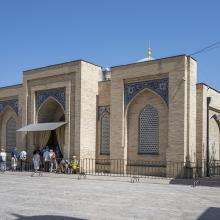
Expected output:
(149, 52)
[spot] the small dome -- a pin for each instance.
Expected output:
(148, 58)
(107, 69)
(107, 73)
(145, 59)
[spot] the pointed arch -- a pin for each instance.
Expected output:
(146, 122)
(11, 103)
(11, 127)
(143, 91)
(8, 127)
(7, 109)
(160, 86)
(50, 111)
(57, 93)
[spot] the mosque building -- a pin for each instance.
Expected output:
(149, 110)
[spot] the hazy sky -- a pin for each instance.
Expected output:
(36, 33)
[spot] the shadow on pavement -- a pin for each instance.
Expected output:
(199, 182)
(211, 213)
(45, 217)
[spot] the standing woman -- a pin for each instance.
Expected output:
(36, 161)
(53, 162)
(23, 157)
(13, 160)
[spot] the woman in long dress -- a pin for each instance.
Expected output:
(13, 163)
(36, 161)
(14, 160)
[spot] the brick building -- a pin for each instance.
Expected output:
(150, 110)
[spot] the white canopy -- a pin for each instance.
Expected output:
(42, 126)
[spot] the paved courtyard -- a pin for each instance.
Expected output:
(64, 197)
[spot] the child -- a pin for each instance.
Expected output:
(74, 164)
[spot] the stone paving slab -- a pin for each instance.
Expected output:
(54, 197)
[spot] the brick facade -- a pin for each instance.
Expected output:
(181, 107)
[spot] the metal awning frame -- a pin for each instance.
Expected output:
(42, 126)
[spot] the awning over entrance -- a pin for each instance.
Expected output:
(42, 126)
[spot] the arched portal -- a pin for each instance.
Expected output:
(51, 111)
(146, 125)
(8, 127)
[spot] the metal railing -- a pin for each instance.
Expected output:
(118, 167)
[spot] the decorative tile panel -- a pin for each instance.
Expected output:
(11, 103)
(103, 109)
(160, 86)
(104, 117)
(105, 135)
(58, 94)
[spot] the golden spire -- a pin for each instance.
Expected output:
(149, 52)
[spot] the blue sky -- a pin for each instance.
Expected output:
(36, 33)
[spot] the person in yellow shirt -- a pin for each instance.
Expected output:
(74, 165)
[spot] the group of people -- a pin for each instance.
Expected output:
(69, 167)
(15, 159)
(44, 160)
(46, 157)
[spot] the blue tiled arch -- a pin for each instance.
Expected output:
(159, 86)
(13, 103)
(58, 94)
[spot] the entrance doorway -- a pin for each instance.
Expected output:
(52, 111)
(53, 144)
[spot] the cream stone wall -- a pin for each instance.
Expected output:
(204, 91)
(200, 123)
(117, 129)
(104, 93)
(191, 109)
(90, 75)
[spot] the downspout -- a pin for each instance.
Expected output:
(207, 138)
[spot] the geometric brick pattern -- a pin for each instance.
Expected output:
(149, 131)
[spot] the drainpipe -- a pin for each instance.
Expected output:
(207, 139)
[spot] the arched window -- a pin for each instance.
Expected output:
(10, 134)
(149, 131)
(105, 134)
